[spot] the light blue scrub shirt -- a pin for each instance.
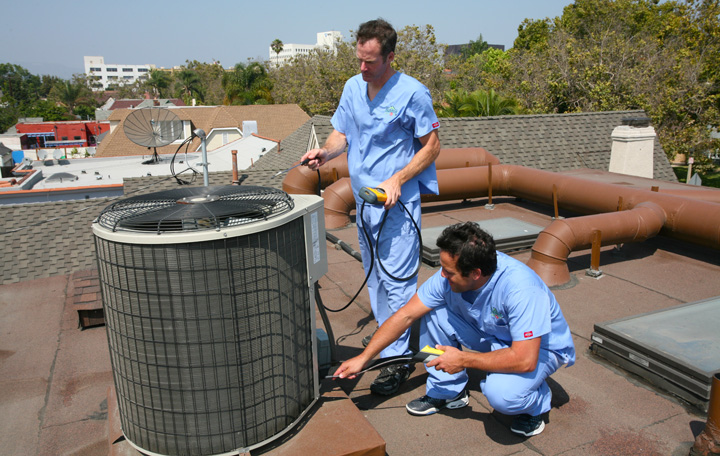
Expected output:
(382, 134)
(515, 304)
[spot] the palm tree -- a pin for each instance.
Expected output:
(189, 84)
(488, 103)
(71, 94)
(158, 81)
(247, 85)
(450, 106)
(277, 47)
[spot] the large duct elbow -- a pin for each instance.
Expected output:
(553, 246)
(304, 181)
(339, 201)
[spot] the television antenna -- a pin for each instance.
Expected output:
(152, 127)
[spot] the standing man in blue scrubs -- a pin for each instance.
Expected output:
(386, 120)
(491, 303)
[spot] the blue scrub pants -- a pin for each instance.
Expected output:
(511, 394)
(399, 252)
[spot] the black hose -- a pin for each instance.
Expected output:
(326, 322)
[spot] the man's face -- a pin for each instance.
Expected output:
(372, 65)
(458, 282)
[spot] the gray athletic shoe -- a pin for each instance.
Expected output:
(427, 405)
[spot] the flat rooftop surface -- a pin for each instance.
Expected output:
(54, 377)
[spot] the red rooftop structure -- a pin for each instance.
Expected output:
(41, 135)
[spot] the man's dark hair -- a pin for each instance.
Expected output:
(474, 247)
(382, 31)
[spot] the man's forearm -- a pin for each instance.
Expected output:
(335, 144)
(422, 159)
(521, 356)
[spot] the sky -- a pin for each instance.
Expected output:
(51, 37)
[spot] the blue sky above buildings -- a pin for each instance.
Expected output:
(50, 37)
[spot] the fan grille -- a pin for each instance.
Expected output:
(195, 208)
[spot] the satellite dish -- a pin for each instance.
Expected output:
(152, 127)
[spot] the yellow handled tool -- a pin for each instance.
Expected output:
(373, 195)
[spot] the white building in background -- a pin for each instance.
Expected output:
(325, 40)
(103, 76)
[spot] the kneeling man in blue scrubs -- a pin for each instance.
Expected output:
(495, 305)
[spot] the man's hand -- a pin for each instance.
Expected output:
(452, 361)
(349, 368)
(392, 188)
(334, 146)
(316, 157)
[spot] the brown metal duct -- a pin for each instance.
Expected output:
(339, 202)
(302, 180)
(555, 243)
(684, 218)
(708, 442)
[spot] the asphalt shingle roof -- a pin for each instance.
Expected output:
(273, 121)
(551, 142)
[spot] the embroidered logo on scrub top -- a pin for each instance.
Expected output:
(391, 111)
(496, 313)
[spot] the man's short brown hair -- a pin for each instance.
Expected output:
(380, 30)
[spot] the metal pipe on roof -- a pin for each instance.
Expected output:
(563, 236)
(707, 443)
(302, 180)
(685, 218)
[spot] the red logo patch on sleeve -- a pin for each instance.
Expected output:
(527, 334)
(436, 124)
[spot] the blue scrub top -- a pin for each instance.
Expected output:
(382, 134)
(515, 304)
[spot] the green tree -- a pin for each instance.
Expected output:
(488, 70)
(488, 103)
(210, 77)
(451, 104)
(315, 81)
(19, 88)
(418, 54)
(188, 85)
(158, 83)
(474, 47)
(532, 33)
(460, 103)
(49, 111)
(277, 47)
(247, 84)
(72, 94)
(626, 54)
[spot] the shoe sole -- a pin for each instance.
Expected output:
(460, 403)
(530, 434)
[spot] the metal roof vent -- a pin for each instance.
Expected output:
(62, 177)
(211, 325)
